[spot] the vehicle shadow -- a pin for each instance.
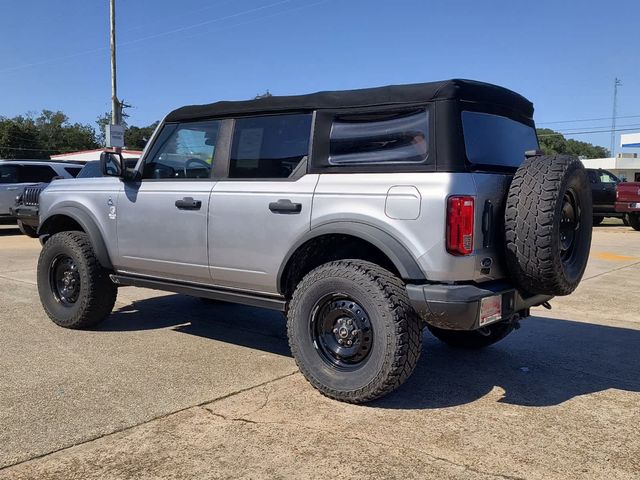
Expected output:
(9, 231)
(544, 363)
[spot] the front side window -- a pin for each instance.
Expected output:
(36, 174)
(186, 153)
(270, 146)
(379, 139)
(493, 140)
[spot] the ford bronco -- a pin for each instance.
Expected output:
(364, 216)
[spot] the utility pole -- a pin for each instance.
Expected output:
(114, 133)
(616, 83)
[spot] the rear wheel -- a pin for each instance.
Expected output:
(75, 290)
(634, 221)
(352, 331)
(27, 230)
(474, 339)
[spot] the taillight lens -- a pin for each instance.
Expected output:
(460, 213)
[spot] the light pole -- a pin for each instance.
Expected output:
(115, 132)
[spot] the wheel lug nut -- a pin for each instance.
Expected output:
(349, 343)
(335, 330)
(349, 322)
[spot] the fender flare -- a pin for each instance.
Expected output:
(399, 255)
(89, 226)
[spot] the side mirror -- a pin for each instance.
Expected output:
(111, 164)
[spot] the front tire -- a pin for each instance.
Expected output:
(75, 290)
(474, 339)
(634, 221)
(352, 331)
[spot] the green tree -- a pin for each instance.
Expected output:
(553, 142)
(136, 138)
(40, 136)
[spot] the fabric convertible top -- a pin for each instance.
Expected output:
(456, 89)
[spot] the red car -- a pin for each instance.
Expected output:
(628, 202)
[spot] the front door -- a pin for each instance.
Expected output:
(264, 206)
(162, 220)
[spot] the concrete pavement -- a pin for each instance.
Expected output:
(137, 398)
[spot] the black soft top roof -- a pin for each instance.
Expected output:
(455, 89)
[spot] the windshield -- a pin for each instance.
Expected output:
(91, 169)
(493, 140)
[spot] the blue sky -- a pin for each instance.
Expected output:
(562, 55)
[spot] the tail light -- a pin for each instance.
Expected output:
(460, 213)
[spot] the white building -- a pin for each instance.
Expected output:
(625, 165)
(89, 155)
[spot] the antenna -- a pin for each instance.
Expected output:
(616, 83)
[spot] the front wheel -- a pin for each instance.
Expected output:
(75, 290)
(473, 339)
(352, 331)
(634, 220)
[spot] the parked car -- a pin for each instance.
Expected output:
(16, 174)
(628, 202)
(25, 210)
(364, 216)
(603, 190)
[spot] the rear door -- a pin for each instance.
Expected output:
(9, 187)
(162, 220)
(264, 204)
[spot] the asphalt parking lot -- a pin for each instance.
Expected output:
(170, 387)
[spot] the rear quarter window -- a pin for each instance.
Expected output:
(379, 139)
(494, 140)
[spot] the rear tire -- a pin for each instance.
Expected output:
(474, 339)
(634, 221)
(352, 331)
(548, 223)
(75, 290)
(27, 230)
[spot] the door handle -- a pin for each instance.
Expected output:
(284, 205)
(188, 203)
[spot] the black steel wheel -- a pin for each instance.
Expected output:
(341, 331)
(75, 290)
(569, 225)
(64, 280)
(352, 331)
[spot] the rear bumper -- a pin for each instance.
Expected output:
(26, 214)
(457, 307)
(627, 207)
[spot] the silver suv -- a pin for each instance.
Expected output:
(15, 175)
(363, 215)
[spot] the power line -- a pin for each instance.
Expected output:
(637, 125)
(169, 32)
(609, 130)
(585, 120)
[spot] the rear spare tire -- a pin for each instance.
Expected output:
(548, 222)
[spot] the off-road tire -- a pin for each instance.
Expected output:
(474, 339)
(625, 219)
(397, 336)
(27, 230)
(597, 220)
(535, 207)
(634, 221)
(97, 293)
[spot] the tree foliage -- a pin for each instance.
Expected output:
(553, 142)
(135, 138)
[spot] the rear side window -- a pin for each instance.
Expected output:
(493, 140)
(8, 173)
(379, 139)
(36, 174)
(270, 146)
